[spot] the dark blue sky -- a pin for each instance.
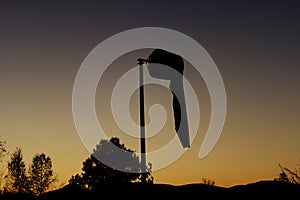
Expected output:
(264, 30)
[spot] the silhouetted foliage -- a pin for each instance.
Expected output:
(2, 149)
(2, 155)
(289, 175)
(41, 176)
(283, 177)
(95, 173)
(208, 181)
(17, 180)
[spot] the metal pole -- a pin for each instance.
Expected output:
(142, 121)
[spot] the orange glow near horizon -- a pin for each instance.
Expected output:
(254, 140)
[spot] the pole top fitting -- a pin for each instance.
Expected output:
(141, 61)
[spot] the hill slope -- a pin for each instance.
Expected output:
(256, 190)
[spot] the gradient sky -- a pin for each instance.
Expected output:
(255, 45)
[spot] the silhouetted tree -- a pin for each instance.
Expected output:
(2, 155)
(41, 176)
(208, 181)
(283, 177)
(289, 175)
(17, 178)
(2, 149)
(96, 173)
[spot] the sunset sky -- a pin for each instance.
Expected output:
(255, 45)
